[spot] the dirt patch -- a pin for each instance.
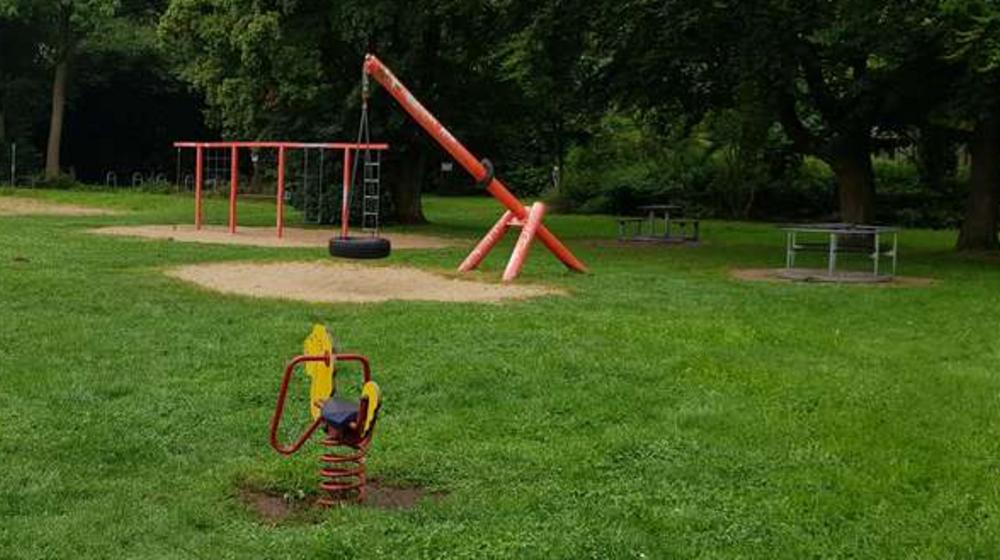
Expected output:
(263, 236)
(17, 206)
(819, 276)
(276, 508)
(327, 282)
(384, 495)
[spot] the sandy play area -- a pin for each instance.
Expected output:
(323, 282)
(263, 236)
(17, 206)
(820, 276)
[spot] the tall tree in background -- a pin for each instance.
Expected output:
(829, 73)
(548, 56)
(64, 26)
(971, 30)
(16, 44)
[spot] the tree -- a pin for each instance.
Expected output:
(16, 44)
(64, 27)
(830, 73)
(971, 31)
(548, 57)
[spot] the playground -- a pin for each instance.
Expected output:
(655, 407)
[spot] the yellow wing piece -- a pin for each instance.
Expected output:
(371, 391)
(318, 343)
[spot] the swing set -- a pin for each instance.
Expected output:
(529, 219)
(350, 150)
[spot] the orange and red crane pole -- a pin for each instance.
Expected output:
(376, 69)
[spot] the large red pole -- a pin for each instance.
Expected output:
(199, 161)
(281, 192)
(234, 178)
(345, 209)
(374, 67)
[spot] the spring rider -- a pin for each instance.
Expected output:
(348, 424)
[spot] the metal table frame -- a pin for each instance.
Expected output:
(653, 217)
(833, 232)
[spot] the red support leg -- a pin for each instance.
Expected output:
(281, 192)
(234, 179)
(345, 209)
(492, 237)
(199, 164)
(528, 231)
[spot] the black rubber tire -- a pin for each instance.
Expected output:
(360, 247)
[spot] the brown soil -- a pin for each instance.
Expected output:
(383, 495)
(327, 282)
(16, 206)
(819, 276)
(274, 508)
(263, 236)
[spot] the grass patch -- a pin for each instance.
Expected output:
(663, 410)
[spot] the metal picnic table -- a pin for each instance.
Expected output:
(842, 238)
(656, 213)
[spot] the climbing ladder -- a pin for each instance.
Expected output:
(371, 191)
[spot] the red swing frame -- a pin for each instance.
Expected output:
(282, 147)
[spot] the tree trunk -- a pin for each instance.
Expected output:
(852, 167)
(56, 120)
(406, 185)
(979, 228)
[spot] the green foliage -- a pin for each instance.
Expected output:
(717, 169)
(626, 164)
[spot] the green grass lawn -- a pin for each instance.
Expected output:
(662, 410)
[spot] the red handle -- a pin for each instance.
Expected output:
(279, 408)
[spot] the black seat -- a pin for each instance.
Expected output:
(339, 412)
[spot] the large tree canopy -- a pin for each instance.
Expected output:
(830, 73)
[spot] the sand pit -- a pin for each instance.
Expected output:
(819, 276)
(323, 282)
(263, 236)
(17, 206)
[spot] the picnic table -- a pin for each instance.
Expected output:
(839, 238)
(646, 228)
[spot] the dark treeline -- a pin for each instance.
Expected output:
(855, 109)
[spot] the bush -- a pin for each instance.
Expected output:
(625, 165)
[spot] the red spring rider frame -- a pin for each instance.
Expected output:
(528, 219)
(347, 424)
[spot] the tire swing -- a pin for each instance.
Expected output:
(369, 246)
